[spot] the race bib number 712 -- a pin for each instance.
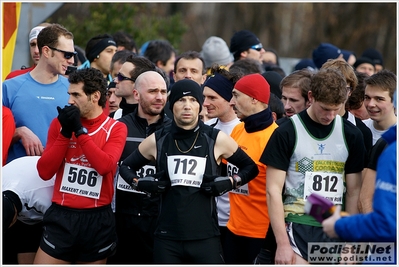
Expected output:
(186, 170)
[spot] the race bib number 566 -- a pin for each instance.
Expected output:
(81, 181)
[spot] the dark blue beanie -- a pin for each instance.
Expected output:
(221, 85)
(324, 52)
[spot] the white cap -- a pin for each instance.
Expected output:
(35, 32)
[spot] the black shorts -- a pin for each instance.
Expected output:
(202, 251)
(75, 235)
(135, 233)
(301, 234)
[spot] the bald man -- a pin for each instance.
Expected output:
(136, 212)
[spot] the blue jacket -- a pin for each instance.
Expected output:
(379, 225)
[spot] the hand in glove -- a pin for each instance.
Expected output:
(217, 187)
(64, 117)
(153, 184)
(74, 117)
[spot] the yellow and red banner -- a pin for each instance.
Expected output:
(11, 13)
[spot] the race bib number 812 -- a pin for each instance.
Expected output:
(328, 185)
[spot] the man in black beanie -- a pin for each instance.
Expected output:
(245, 44)
(187, 155)
(376, 57)
(365, 65)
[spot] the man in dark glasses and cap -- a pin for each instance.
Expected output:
(245, 44)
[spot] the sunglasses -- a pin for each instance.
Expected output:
(257, 47)
(121, 77)
(67, 55)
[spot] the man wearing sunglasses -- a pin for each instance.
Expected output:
(33, 98)
(125, 80)
(245, 44)
(42, 89)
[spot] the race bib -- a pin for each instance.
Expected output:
(81, 181)
(328, 185)
(186, 170)
(146, 170)
(243, 190)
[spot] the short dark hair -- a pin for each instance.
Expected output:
(300, 79)
(121, 38)
(274, 67)
(356, 99)
(159, 50)
(141, 64)
(190, 55)
(271, 50)
(93, 80)
(121, 56)
(384, 79)
(246, 66)
(276, 106)
(49, 35)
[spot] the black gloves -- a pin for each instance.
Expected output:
(217, 187)
(64, 115)
(69, 118)
(152, 184)
(76, 124)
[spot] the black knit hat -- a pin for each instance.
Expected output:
(242, 41)
(274, 80)
(185, 87)
(374, 55)
(362, 60)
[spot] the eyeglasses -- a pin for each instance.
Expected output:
(67, 55)
(257, 47)
(121, 77)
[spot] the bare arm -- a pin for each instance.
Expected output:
(274, 186)
(367, 191)
(353, 184)
(148, 148)
(32, 144)
(225, 146)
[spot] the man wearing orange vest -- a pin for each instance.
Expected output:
(249, 219)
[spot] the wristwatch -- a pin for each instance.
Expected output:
(236, 181)
(81, 131)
